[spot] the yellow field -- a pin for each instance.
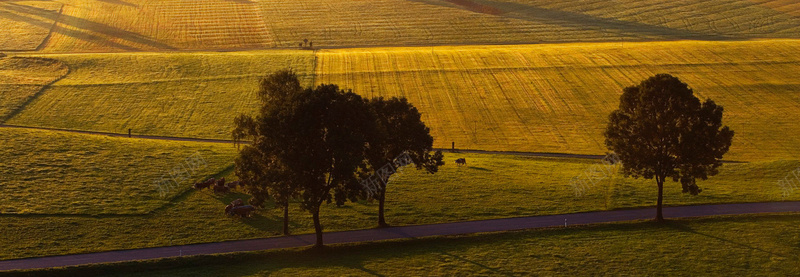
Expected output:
(92, 26)
(193, 95)
(26, 24)
(555, 98)
(541, 98)
(149, 25)
(22, 78)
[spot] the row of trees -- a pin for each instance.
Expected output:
(317, 145)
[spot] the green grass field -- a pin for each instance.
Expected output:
(74, 193)
(718, 246)
(69, 174)
(182, 94)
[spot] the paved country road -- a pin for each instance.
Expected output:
(415, 231)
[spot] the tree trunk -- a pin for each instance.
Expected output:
(317, 228)
(381, 201)
(659, 214)
(286, 218)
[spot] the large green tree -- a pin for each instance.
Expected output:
(400, 137)
(662, 131)
(329, 130)
(306, 144)
(259, 164)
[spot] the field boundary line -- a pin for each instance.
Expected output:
(225, 141)
(401, 232)
(33, 97)
(46, 39)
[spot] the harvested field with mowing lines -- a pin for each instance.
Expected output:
(343, 23)
(22, 78)
(556, 98)
(150, 25)
(55, 173)
(187, 95)
(26, 24)
(102, 26)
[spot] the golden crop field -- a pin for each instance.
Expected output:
(26, 24)
(47, 172)
(556, 98)
(137, 25)
(165, 25)
(22, 78)
(180, 94)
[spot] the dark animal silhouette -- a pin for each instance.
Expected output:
(461, 161)
(207, 183)
(233, 184)
(242, 211)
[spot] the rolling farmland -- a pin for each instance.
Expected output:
(56, 173)
(22, 78)
(495, 75)
(26, 24)
(116, 208)
(555, 98)
(188, 95)
(169, 25)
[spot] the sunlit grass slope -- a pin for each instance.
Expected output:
(490, 186)
(434, 22)
(166, 25)
(21, 78)
(191, 95)
(58, 173)
(140, 25)
(719, 246)
(556, 98)
(26, 24)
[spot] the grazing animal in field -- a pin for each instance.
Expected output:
(237, 202)
(221, 189)
(207, 183)
(461, 161)
(242, 211)
(233, 184)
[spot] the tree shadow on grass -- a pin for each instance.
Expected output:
(492, 269)
(82, 29)
(582, 21)
(685, 228)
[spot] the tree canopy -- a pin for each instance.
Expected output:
(399, 131)
(661, 130)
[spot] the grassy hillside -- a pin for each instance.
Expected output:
(21, 78)
(192, 95)
(541, 98)
(150, 25)
(556, 98)
(718, 246)
(58, 173)
(114, 177)
(26, 24)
